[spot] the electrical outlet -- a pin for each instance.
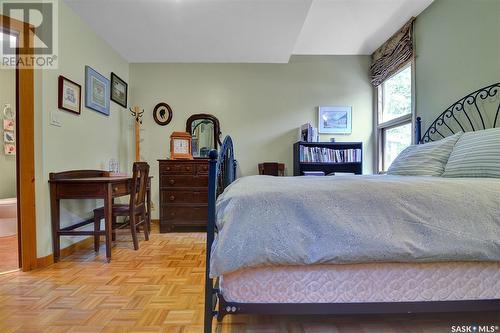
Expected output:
(55, 118)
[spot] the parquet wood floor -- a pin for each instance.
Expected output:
(8, 254)
(158, 289)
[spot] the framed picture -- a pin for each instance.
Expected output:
(118, 90)
(70, 94)
(9, 125)
(9, 149)
(9, 137)
(96, 91)
(335, 119)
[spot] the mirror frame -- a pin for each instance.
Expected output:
(198, 116)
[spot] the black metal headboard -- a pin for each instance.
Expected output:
(477, 111)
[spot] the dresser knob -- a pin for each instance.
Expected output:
(188, 168)
(115, 189)
(172, 198)
(205, 168)
(167, 168)
(172, 181)
(172, 214)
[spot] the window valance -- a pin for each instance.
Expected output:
(393, 54)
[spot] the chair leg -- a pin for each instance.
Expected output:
(145, 226)
(134, 232)
(97, 228)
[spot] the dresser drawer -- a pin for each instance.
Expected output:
(202, 169)
(184, 197)
(183, 181)
(178, 168)
(192, 213)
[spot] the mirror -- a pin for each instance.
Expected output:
(205, 131)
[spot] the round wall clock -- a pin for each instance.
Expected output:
(162, 114)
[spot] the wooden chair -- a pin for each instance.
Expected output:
(272, 169)
(135, 210)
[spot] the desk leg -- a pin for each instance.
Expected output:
(148, 198)
(108, 212)
(55, 219)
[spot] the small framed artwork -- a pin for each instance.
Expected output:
(118, 90)
(335, 119)
(70, 94)
(9, 149)
(9, 125)
(9, 137)
(96, 91)
(162, 114)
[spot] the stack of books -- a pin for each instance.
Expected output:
(328, 155)
(308, 133)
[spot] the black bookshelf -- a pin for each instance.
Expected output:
(327, 167)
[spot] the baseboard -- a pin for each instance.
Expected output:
(84, 243)
(49, 260)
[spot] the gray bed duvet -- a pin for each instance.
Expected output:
(266, 220)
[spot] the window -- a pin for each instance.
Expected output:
(394, 118)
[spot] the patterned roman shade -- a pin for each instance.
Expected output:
(393, 54)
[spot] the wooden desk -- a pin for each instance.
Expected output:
(87, 184)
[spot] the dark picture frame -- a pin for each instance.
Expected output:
(162, 114)
(69, 92)
(119, 90)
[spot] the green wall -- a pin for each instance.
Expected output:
(260, 105)
(85, 141)
(457, 52)
(7, 162)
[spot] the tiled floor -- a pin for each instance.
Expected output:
(8, 254)
(160, 289)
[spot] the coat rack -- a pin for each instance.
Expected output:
(135, 111)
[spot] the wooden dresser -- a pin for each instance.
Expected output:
(183, 194)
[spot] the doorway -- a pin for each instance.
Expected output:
(24, 142)
(9, 238)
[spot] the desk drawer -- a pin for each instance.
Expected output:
(183, 181)
(191, 213)
(120, 189)
(178, 168)
(184, 197)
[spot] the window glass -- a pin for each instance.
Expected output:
(396, 96)
(396, 139)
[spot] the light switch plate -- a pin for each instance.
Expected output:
(55, 118)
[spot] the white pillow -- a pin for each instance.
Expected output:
(476, 154)
(427, 159)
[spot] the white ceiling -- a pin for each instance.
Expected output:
(353, 26)
(243, 31)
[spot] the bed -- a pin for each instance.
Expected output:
(434, 261)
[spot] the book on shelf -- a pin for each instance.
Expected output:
(328, 155)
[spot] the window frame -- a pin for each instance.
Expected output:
(380, 128)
